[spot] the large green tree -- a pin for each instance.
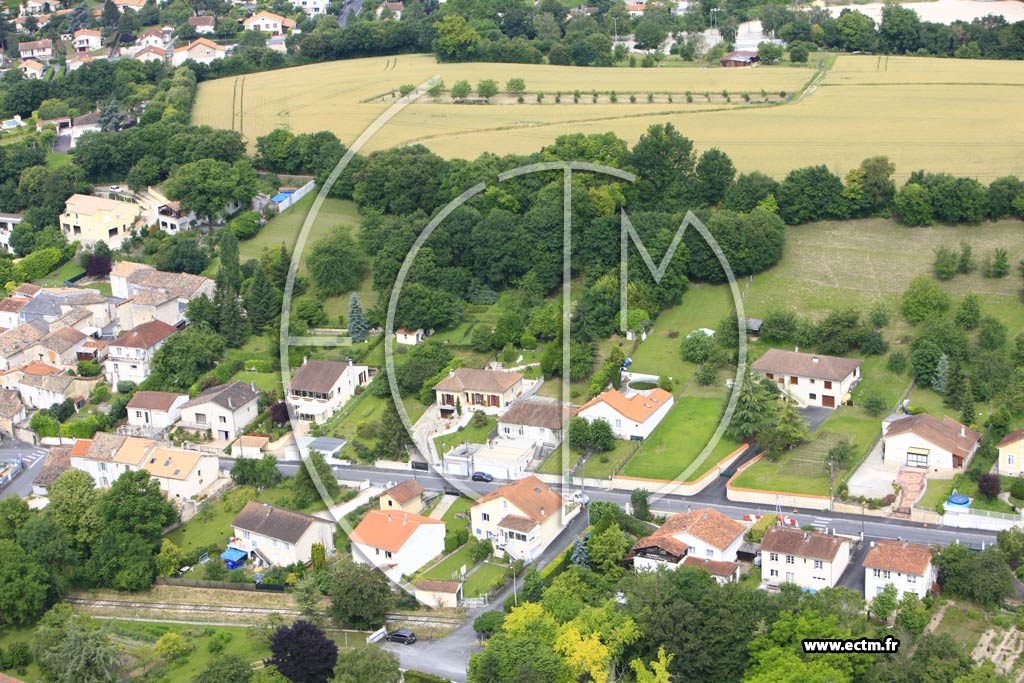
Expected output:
(360, 595)
(185, 356)
(335, 264)
(207, 186)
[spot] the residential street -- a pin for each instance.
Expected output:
(33, 457)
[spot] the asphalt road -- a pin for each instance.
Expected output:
(713, 497)
(350, 6)
(32, 458)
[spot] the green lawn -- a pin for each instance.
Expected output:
(553, 463)
(460, 506)
(703, 306)
(804, 469)
(266, 381)
(213, 524)
(9, 635)
(284, 228)
(468, 434)
(101, 287)
(935, 494)
(604, 465)
(443, 570)
(67, 271)
(680, 438)
(55, 160)
(136, 639)
(969, 488)
(480, 581)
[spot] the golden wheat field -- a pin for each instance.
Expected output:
(950, 115)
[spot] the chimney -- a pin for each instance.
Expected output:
(814, 359)
(405, 518)
(389, 516)
(541, 510)
(796, 349)
(253, 385)
(231, 404)
(705, 514)
(807, 535)
(963, 430)
(305, 359)
(350, 363)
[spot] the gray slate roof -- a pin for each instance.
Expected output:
(269, 520)
(232, 396)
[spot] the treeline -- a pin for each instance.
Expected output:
(901, 31)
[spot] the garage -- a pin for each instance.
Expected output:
(828, 401)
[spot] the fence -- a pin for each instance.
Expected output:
(296, 196)
(227, 585)
(377, 635)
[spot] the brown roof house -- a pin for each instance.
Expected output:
(320, 388)
(58, 461)
(398, 543)
(809, 559)
(12, 410)
(521, 518)
(907, 566)
(941, 448)
(130, 355)
(472, 389)
(535, 419)
(272, 535)
(406, 496)
(434, 593)
(704, 534)
(151, 412)
(810, 379)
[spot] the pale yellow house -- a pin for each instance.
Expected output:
(472, 389)
(521, 518)
(89, 219)
(1011, 454)
(407, 497)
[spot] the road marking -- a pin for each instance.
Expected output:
(821, 524)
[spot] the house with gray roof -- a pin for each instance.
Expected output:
(223, 411)
(276, 536)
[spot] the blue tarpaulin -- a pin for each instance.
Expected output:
(280, 197)
(234, 558)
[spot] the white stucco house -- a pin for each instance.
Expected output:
(222, 411)
(907, 566)
(409, 337)
(809, 559)
(130, 355)
(276, 536)
(398, 543)
(155, 411)
(631, 418)
(537, 420)
(319, 388)
(704, 534)
(810, 379)
(940, 447)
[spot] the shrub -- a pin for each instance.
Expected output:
(218, 641)
(989, 485)
(125, 387)
(1017, 488)
(946, 263)
(759, 529)
(172, 645)
(897, 361)
(88, 368)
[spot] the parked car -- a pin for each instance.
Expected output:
(402, 635)
(482, 476)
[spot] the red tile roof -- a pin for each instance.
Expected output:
(899, 556)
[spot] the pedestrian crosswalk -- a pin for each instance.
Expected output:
(820, 524)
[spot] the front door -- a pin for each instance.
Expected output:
(828, 401)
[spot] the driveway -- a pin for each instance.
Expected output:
(62, 145)
(449, 656)
(874, 477)
(814, 416)
(853, 577)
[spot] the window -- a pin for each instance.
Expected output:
(769, 375)
(793, 380)
(387, 554)
(485, 517)
(774, 557)
(917, 457)
(790, 559)
(812, 381)
(877, 572)
(773, 573)
(1009, 459)
(709, 553)
(789, 577)
(138, 413)
(911, 579)
(818, 564)
(201, 418)
(618, 422)
(828, 384)
(886, 574)
(812, 396)
(223, 419)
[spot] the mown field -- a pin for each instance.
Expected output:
(949, 115)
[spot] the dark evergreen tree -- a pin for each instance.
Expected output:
(229, 275)
(262, 299)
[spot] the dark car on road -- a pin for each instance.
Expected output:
(482, 476)
(402, 635)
